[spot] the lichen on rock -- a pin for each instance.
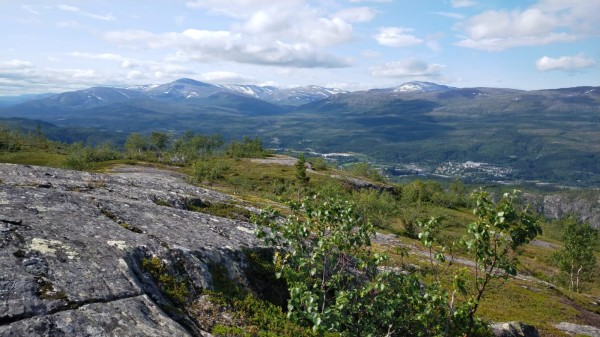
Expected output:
(70, 269)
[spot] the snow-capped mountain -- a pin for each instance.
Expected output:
(182, 88)
(93, 97)
(292, 96)
(417, 86)
(186, 88)
(255, 91)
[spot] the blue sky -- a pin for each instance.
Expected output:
(53, 46)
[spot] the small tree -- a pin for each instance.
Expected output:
(301, 175)
(337, 283)
(494, 239)
(135, 145)
(379, 207)
(159, 140)
(577, 256)
(318, 163)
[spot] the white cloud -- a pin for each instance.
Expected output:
(299, 23)
(548, 21)
(292, 21)
(73, 9)
(19, 76)
(125, 61)
(226, 77)
(101, 56)
(569, 63)
(503, 24)
(328, 32)
(135, 75)
(15, 64)
(463, 3)
(499, 44)
(451, 15)
(397, 37)
(356, 14)
(207, 46)
(22, 76)
(292, 33)
(407, 68)
(243, 8)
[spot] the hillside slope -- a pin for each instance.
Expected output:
(62, 231)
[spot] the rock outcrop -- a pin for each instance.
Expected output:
(514, 329)
(556, 206)
(73, 245)
(576, 329)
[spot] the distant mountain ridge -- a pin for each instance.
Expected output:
(184, 88)
(538, 135)
(190, 88)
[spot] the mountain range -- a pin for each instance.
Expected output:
(543, 135)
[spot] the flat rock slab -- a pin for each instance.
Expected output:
(66, 241)
(136, 316)
(576, 329)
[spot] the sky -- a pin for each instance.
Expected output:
(56, 46)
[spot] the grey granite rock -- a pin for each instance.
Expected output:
(576, 329)
(134, 316)
(514, 329)
(71, 244)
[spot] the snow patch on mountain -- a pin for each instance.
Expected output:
(290, 96)
(418, 86)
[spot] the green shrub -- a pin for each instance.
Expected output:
(365, 170)
(336, 283)
(247, 148)
(379, 207)
(209, 169)
(259, 318)
(318, 163)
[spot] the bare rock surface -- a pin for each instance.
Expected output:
(576, 329)
(514, 329)
(71, 246)
(556, 206)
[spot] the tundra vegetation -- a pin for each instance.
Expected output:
(340, 280)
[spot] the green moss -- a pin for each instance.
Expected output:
(254, 317)
(220, 209)
(161, 202)
(174, 288)
(222, 284)
(46, 291)
(131, 228)
(109, 214)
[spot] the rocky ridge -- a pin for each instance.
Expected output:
(72, 246)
